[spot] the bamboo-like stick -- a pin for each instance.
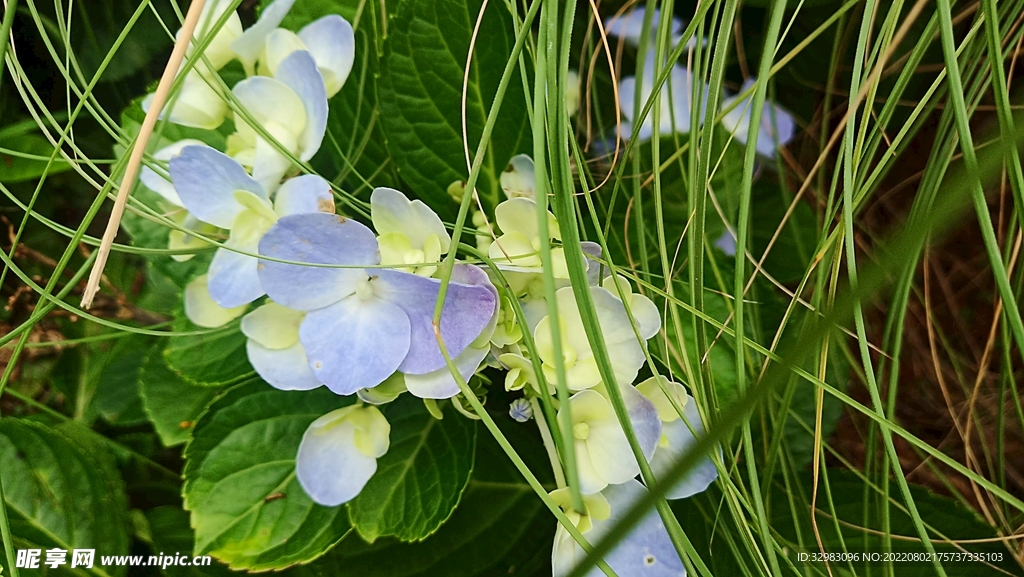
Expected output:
(139, 148)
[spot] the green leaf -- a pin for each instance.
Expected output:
(171, 403)
(499, 528)
(421, 97)
(420, 480)
(17, 168)
(172, 534)
(62, 493)
(248, 509)
(211, 359)
(116, 398)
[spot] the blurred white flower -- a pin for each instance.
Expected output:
(777, 125)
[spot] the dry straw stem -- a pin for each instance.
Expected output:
(132, 170)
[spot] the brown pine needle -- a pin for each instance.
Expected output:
(139, 148)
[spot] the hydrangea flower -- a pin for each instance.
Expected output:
(518, 247)
(410, 232)
(291, 107)
(675, 105)
(520, 410)
(646, 550)
(363, 324)
(218, 191)
(677, 437)
(218, 52)
(250, 44)
(202, 310)
(518, 181)
(630, 26)
(777, 125)
(339, 451)
(330, 40)
(274, 349)
(178, 239)
(198, 104)
(581, 371)
(603, 455)
(643, 309)
(441, 384)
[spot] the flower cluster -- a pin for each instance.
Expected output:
(346, 308)
(605, 463)
(326, 300)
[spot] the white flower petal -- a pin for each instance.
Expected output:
(355, 344)
(196, 105)
(273, 326)
(202, 310)
(330, 465)
(646, 551)
(392, 212)
(333, 44)
(518, 179)
(233, 278)
(299, 72)
(630, 25)
(250, 44)
(520, 215)
(680, 439)
(286, 369)
(777, 125)
(218, 51)
(279, 44)
(440, 384)
(467, 312)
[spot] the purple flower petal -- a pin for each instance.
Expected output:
(304, 194)
(355, 343)
(467, 311)
(233, 279)
(316, 238)
(206, 181)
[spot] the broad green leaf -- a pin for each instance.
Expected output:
(62, 493)
(15, 167)
(171, 403)
(116, 397)
(420, 480)
(499, 528)
(248, 509)
(172, 534)
(421, 97)
(209, 360)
